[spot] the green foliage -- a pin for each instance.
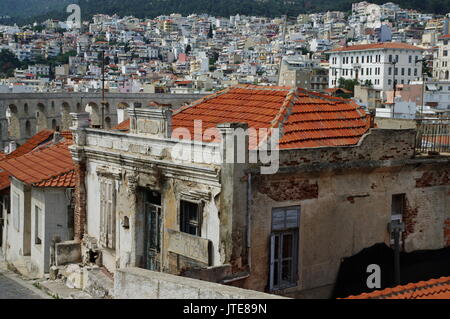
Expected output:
(347, 84)
(28, 11)
(8, 62)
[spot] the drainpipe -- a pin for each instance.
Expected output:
(249, 196)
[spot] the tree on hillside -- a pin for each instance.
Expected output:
(8, 62)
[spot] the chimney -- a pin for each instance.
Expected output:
(154, 121)
(12, 147)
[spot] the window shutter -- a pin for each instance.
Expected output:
(103, 221)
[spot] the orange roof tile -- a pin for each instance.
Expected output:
(49, 166)
(431, 289)
(308, 119)
(377, 46)
(31, 143)
(123, 126)
(4, 180)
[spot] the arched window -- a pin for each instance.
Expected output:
(27, 128)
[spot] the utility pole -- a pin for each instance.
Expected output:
(394, 86)
(423, 87)
(283, 36)
(396, 227)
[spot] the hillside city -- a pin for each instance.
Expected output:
(203, 157)
(202, 54)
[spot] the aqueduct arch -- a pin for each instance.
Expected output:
(66, 119)
(12, 116)
(41, 117)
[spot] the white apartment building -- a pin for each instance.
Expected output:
(375, 63)
(441, 67)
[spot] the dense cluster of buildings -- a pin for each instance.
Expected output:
(105, 185)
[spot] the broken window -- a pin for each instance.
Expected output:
(397, 211)
(107, 213)
(37, 225)
(284, 247)
(190, 218)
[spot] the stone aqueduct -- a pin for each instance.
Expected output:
(24, 114)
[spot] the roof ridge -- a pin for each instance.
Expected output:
(203, 99)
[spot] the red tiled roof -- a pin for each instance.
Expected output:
(308, 119)
(444, 37)
(31, 144)
(431, 289)
(123, 126)
(4, 180)
(49, 166)
(377, 46)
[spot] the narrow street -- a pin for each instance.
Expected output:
(10, 289)
(12, 286)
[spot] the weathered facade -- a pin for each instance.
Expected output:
(338, 186)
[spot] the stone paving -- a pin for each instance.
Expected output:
(10, 289)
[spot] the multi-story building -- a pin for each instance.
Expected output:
(380, 64)
(441, 65)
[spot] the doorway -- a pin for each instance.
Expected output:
(152, 238)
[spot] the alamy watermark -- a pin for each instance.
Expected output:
(74, 19)
(374, 279)
(230, 146)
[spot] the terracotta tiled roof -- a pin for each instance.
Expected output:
(377, 46)
(49, 166)
(431, 289)
(123, 126)
(4, 180)
(31, 143)
(308, 119)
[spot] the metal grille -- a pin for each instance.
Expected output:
(433, 135)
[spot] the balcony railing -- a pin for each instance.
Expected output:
(433, 136)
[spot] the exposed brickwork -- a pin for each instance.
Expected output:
(433, 178)
(289, 188)
(80, 201)
(409, 218)
(447, 232)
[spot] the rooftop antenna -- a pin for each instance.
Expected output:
(283, 36)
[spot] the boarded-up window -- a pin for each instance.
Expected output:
(38, 231)
(284, 247)
(107, 213)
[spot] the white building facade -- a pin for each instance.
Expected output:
(375, 63)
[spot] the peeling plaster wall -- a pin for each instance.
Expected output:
(346, 206)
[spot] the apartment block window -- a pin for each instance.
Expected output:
(108, 213)
(409, 71)
(396, 58)
(190, 218)
(415, 72)
(445, 53)
(410, 59)
(284, 247)
(351, 60)
(16, 211)
(357, 59)
(390, 58)
(362, 59)
(390, 71)
(389, 82)
(38, 225)
(403, 71)
(396, 71)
